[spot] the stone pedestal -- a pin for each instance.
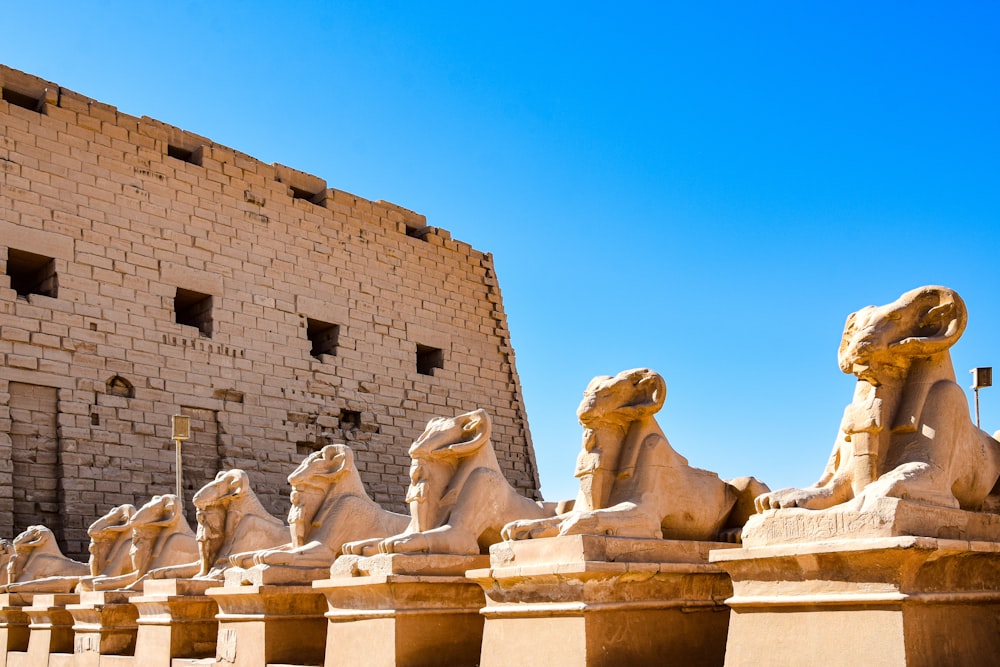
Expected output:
(261, 625)
(176, 620)
(588, 600)
(104, 624)
(403, 610)
(13, 624)
(844, 588)
(50, 641)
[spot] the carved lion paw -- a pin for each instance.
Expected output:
(580, 523)
(361, 547)
(270, 557)
(785, 498)
(528, 529)
(404, 544)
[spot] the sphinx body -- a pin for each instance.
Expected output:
(38, 565)
(160, 537)
(459, 498)
(329, 507)
(907, 432)
(633, 483)
(231, 519)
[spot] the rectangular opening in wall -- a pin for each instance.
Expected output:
(184, 155)
(323, 336)
(417, 232)
(350, 420)
(429, 358)
(35, 457)
(311, 197)
(31, 274)
(304, 449)
(194, 309)
(21, 100)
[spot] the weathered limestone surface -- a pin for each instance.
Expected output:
(601, 601)
(408, 610)
(889, 558)
(176, 620)
(50, 629)
(262, 625)
(13, 624)
(104, 623)
(905, 600)
(306, 315)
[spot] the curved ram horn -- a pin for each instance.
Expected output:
(941, 313)
(480, 426)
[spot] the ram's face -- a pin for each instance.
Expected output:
(159, 509)
(442, 433)
(628, 396)
(111, 523)
(32, 537)
(603, 395)
(885, 339)
(226, 486)
(321, 469)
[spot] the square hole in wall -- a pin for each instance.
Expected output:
(311, 197)
(429, 358)
(323, 336)
(21, 100)
(31, 274)
(183, 154)
(350, 420)
(305, 448)
(417, 232)
(194, 309)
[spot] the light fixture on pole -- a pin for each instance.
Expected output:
(981, 377)
(180, 430)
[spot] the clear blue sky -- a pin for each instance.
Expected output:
(707, 189)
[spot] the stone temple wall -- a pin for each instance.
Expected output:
(146, 271)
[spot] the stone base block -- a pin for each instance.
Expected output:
(176, 620)
(274, 575)
(104, 623)
(588, 600)
(881, 517)
(403, 610)
(913, 601)
(50, 629)
(262, 625)
(13, 624)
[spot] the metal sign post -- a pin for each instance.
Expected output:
(981, 377)
(180, 429)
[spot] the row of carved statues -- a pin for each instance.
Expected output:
(905, 434)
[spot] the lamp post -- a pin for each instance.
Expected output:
(981, 377)
(180, 430)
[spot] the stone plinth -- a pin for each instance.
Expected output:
(595, 600)
(261, 625)
(858, 594)
(51, 630)
(13, 624)
(176, 620)
(104, 623)
(403, 610)
(885, 517)
(274, 575)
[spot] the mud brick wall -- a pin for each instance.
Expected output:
(146, 271)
